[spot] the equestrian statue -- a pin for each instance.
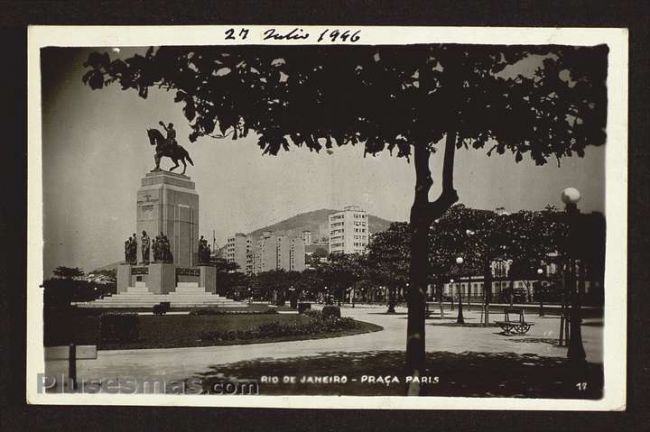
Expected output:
(168, 147)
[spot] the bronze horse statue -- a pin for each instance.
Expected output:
(173, 151)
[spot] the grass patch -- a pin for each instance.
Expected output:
(468, 374)
(173, 331)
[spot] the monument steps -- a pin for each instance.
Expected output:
(187, 294)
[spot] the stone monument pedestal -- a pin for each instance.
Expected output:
(123, 277)
(162, 278)
(208, 278)
(167, 203)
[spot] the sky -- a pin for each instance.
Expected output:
(96, 150)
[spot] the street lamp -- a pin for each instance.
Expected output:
(460, 319)
(540, 272)
(451, 291)
(487, 280)
(576, 353)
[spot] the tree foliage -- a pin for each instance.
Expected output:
(385, 97)
(389, 255)
(68, 272)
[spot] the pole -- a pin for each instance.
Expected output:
(442, 308)
(72, 365)
(460, 319)
(451, 290)
(487, 291)
(576, 353)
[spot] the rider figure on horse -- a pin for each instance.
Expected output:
(171, 134)
(168, 147)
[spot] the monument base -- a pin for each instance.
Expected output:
(208, 278)
(123, 277)
(145, 285)
(162, 278)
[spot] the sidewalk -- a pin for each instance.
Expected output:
(441, 335)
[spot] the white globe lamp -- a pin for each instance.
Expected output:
(570, 195)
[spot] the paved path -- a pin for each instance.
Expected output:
(441, 335)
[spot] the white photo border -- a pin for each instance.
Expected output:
(616, 185)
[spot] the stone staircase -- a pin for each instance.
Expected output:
(187, 294)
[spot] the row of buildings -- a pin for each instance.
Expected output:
(535, 288)
(472, 287)
(268, 252)
(348, 234)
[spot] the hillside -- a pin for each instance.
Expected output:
(112, 266)
(317, 222)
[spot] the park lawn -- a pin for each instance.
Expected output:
(468, 374)
(173, 331)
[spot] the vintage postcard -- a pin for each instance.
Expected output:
(328, 217)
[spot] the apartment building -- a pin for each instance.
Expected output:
(238, 251)
(306, 236)
(348, 231)
(277, 252)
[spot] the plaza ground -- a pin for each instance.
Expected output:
(442, 335)
(183, 330)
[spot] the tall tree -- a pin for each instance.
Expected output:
(388, 259)
(408, 99)
(536, 236)
(341, 272)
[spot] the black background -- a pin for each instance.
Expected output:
(15, 415)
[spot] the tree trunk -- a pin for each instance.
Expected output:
(487, 291)
(512, 290)
(439, 289)
(423, 214)
(416, 300)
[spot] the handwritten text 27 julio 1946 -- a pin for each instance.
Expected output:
(326, 35)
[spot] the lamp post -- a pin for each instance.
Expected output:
(576, 353)
(540, 272)
(451, 291)
(460, 319)
(487, 272)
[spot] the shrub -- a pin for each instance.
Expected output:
(331, 311)
(119, 327)
(312, 313)
(316, 325)
(223, 311)
(303, 307)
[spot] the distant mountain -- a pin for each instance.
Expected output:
(112, 266)
(317, 222)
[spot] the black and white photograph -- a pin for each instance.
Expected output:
(328, 217)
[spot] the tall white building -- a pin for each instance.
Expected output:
(239, 251)
(348, 231)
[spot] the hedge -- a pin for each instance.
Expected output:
(119, 327)
(331, 311)
(317, 324)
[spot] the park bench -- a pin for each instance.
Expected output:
(517, 326)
